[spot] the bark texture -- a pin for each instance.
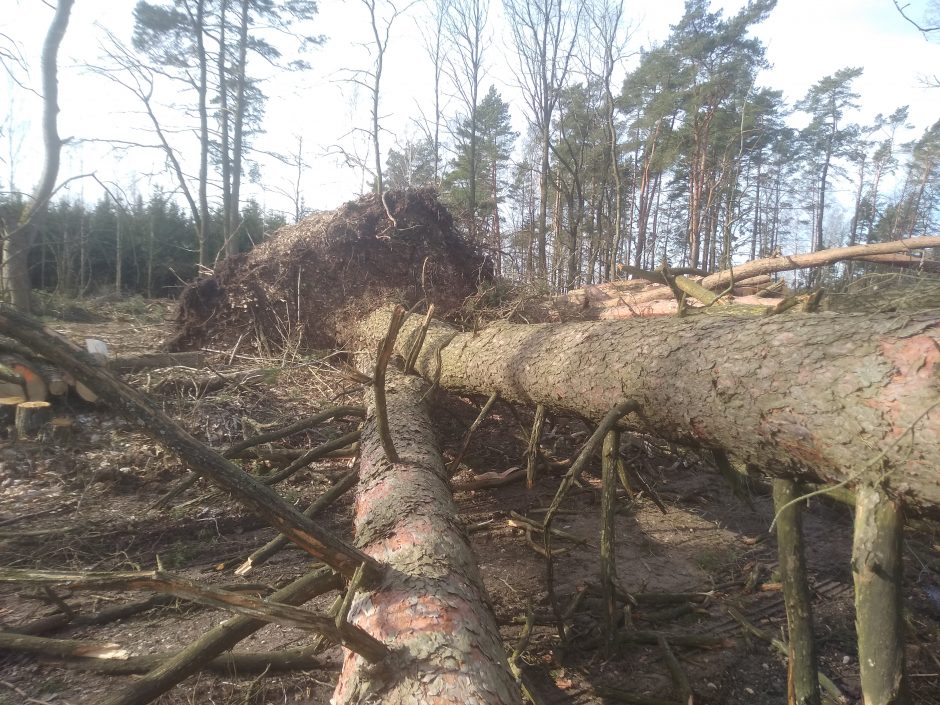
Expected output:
(431, 608)
(823, 397)
(802, 678)
(877, 568)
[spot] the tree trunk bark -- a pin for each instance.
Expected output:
(18, 241)
(824, 397)
(431, 607)
(877, 568)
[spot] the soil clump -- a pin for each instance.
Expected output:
(306, 284)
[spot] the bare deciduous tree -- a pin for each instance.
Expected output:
(434, 46)
(371, 79)
(18, 239)
(544, 33)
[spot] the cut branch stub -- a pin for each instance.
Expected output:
(455, 463)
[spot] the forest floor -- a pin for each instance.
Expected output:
(85, 504)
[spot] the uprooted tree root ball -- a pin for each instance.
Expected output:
(309, 282)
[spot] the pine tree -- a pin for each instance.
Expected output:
(494, 143)
(828, 136)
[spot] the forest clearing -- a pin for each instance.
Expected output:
(638, 404)
(649, 466)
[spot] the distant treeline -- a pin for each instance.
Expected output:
(146, 246)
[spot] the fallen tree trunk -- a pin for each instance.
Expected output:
(824, 397)
(770, 265)
(431, 607)
(905, 261)
(743, 306)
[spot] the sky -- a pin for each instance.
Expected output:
(805, 40)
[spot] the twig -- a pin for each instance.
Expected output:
(781, 647)
(522, 522)
(523, 642)
(587, 452)
(440, 364)
(216, 641)
(419, 342)
(532, 452)
(388, 211)
(303, 658)
(352, 637)
(236, 449)
(301, 425)
(312, 455)
(455, 463)
(301, 462)
(386, 347)
(540, 548)
(22, 694)
(263, 554)
(680, 681)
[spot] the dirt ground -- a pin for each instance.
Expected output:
(85, 504)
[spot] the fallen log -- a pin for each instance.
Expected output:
(614, 293)
(60, 648)
(647, 289)
(743, 306)
(769, 265)
(431, 607)
(33, 383)
(905, 261)
(828, 397)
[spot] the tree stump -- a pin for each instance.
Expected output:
(30, 416)
(61, 430)
(8, 406)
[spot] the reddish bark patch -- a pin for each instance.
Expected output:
(412, 531)
(916, 362)
(307, 284)
(397, 616)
